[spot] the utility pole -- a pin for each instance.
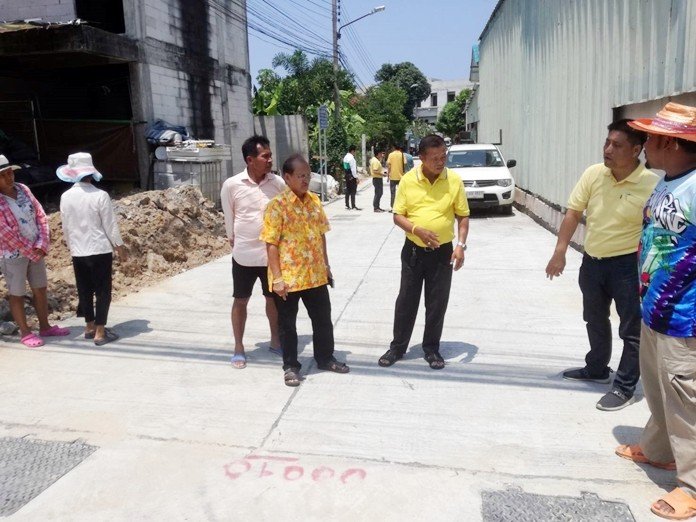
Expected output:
(337, 95)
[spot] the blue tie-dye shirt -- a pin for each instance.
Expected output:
(668, 257)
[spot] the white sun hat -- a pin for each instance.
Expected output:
(79, 165)
(5, 164)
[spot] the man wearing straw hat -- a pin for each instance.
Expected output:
(92, 234)
(612, 195)
(24, 242)
(668, 292)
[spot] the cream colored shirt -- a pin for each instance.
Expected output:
(613, 209)
(243, 204)
(89, 223)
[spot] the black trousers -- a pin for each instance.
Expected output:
(419, 267)
(601, 281)
(351, 190)
(318, 305)
(93, 281)
(393, 185)
(379, 189)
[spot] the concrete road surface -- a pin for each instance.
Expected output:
(160, 426)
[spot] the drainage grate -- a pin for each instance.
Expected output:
(514, 505)
(28, 467)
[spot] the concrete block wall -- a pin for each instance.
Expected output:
(287, 134)
(47, 10)
(548, 216)
(177, 71)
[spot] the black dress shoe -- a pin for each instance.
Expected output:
(347, 208)
(356, 208)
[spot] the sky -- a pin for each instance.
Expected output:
(436, 35)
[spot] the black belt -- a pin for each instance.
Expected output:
(411, 244)
(634, 254)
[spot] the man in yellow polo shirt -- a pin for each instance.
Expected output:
(430, 199)
(377, 178)
(612, 195)
(294, 225)
(396, 163)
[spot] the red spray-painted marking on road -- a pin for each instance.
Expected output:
(270, 466)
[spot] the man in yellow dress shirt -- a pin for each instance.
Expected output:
(613, 195)
(294, 225)
(427, 203)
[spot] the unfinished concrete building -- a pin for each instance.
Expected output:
(92, 74)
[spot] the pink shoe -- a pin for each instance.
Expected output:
(31, 340)
(55, 331)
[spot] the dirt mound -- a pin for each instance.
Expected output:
(165, 232)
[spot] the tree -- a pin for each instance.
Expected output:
(381, 108)
(409, 79)
(306, 85)
(452, 119)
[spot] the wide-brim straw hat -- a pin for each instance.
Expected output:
(79, 165)
(677, 121)
(5, 164)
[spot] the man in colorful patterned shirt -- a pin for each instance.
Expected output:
(24, 242)
(294, 225)
(668, 292)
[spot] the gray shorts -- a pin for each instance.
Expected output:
(20, 270)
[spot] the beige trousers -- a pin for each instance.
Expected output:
(668, 372)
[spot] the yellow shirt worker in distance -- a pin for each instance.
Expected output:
(614, 208)
(377, 181)
(429, 201)
(396, 163)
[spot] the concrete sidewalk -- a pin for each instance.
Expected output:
(159, 426)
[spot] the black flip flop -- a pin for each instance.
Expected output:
(109, 336)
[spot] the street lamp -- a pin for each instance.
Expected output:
(336, 37)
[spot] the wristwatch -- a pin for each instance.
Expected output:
(463, 245)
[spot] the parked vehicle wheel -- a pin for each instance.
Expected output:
(506, 210)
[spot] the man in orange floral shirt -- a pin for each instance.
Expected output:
(294, 225)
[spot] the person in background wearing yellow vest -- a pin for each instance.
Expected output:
(613, 195)
(377, 178)
(396, 162)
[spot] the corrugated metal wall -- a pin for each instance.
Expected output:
(552, 71)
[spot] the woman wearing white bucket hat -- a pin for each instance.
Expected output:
(24, 242)
(92, 234)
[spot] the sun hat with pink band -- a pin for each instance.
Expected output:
(677, 121)
(79, 165)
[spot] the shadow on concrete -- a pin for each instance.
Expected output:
(132, 328)
(484, 213)
(209, 351)
(448, 350)
(661, 477)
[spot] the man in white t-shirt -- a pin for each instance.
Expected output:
(350, 169)
(244, 198)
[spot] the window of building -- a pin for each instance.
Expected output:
(104, 14)
(450, 96)
(433, 99)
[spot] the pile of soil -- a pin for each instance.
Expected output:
(165, 232)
